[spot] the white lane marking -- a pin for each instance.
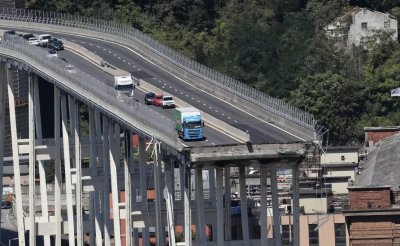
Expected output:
(181, 92)
(133, 66)
(73, 40)
(129, 63)
(204, 104)
(165, 84)
(206, 140)
(222, 114)
(198, 101)
(159, 81)
(175, 90)
(90, 44)
(213, 143)
(104, 49)
(97, 46)
(216, 111)
(154, 78)
(229, 118)
(187, 95)
(192, 98)
(119, 58)
(170, 87)
(184, 144)
(210, 107)
(123, 60)
(138, 69)
(235, 121)
(82, 42)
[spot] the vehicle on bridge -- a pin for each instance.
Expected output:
(157, 100)
(44, 39)
(55, 44)
(33, 41)
(124, 84)
(168, 102)
(188, 123)
(51, 53)
(148, 98)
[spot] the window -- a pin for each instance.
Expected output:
(287, 234)
(313, 235)
(364, 25)
(386, 24)
(340, 234)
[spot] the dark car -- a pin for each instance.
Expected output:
(55, 44)
(5, 205)
(10, 32)
(28, 36)
(148, 98)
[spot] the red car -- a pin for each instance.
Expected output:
(157, 100)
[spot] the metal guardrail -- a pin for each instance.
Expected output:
(229, 86)
(133, 113)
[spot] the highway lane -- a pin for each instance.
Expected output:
(213, 137)
(260, 131)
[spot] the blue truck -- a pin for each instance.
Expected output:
(188, 123)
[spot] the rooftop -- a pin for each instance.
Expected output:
(382, 164)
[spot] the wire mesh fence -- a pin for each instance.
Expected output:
(143, 118)
(229, 85)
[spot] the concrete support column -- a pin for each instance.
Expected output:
(160, 239)
(78, 171)
(143, 186)
(3, 83)
(275, 208)
(201, 234)
(211, 178)
(169, 198)
(99, 190)
(114, 131)
(128, 163)
(220, 207)
(187, 209)
(31, 122)
(15, 156)
(243, 206)
(264, 204)
(228, 226)
(106, 189)
(296, 205)
(57, 163)
(39, 141)
(67, 168)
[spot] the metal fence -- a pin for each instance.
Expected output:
(143, 118)
(229, 85)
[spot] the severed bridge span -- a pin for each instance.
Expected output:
(121, 174)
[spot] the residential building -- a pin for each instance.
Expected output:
(359, 24)
(372, 216)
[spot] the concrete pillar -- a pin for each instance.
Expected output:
(187, 209)
(211, 177)
(296, 205)
(264, 204)
(114, 131)
(78, 171)
(220, 207)
(57, 163)
(243, 206)
(275, 208)
(128, 162)
(99, 189)
(228, 226)
(67, 168)
(106, 190)
(169, 198)
(201, 234)
(2, 126)
(157, 187)
(143, 186)
(15, 156)
(31, 122)
(39, 141)
(94, 215)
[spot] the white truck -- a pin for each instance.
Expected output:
(124, 83)
(44, 39)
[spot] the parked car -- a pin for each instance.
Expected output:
(51, 53)
(148, 98)
(157, 100)
(55, 44)
(5, 205)
(168, 102)
(28, 36)
(33, 41)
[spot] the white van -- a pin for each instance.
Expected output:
(44, 39)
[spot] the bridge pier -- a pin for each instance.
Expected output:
(3, 83)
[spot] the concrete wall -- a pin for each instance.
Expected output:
(376, 21)
(336, 157)
(314, 205)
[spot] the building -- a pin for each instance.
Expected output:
(359, 24)
(372, 216)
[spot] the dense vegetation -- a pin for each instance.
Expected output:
(277, 46)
